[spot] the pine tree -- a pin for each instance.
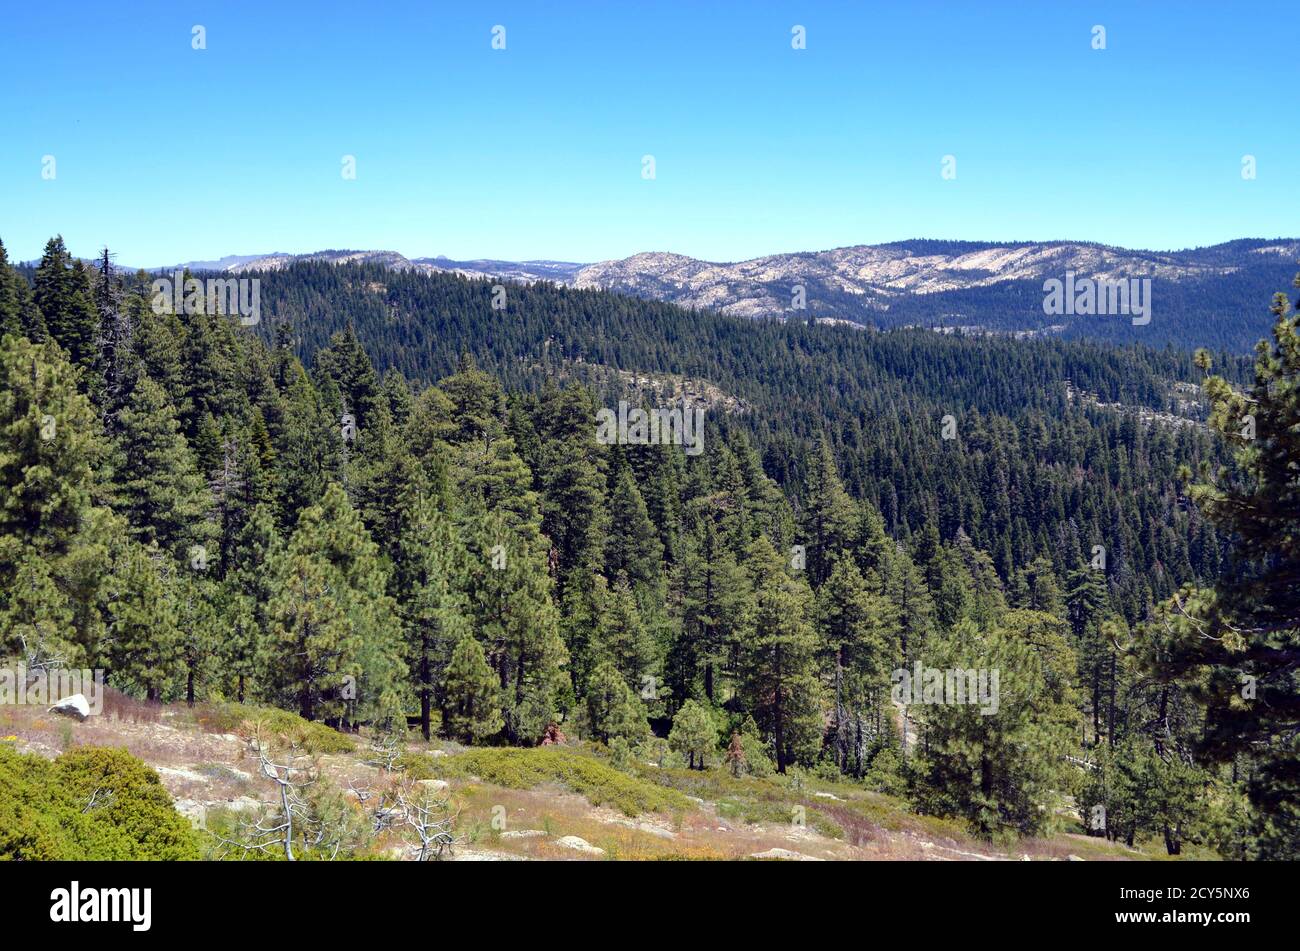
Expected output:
(63, 296)
(781, 688)
(1112, 800)
(477, 403)
(906, 588)
(854, 627)
(491, 476)
(346, 363)
(660, 476)
(385, 480)
(1036, 589)
(1235, 647)
(145, 642)
(116, 369)
(694, 734)
(307, 444)
(828, 516)
(209, 355)
(613, 710)
(511, 610)
(251, 589)
(471, 709)
(156, 343)
(335, 642)
(238, 485)
(202, 627)
(715, 594)
(571, 471)
(633, 549)
(1086, 605)
(34, 612)
(396, 396)
(771, 514)
(623, 638)
(728, 501)
(158, 484)
(428, 583)
(50, 447)
(11, 302)
(999, 760)
(312, 649)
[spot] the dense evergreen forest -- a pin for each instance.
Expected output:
(385, 504)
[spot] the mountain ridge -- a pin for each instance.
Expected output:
(963, 286)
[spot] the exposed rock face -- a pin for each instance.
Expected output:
(956, 286)
(878, 274)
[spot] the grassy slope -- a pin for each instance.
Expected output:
(522, 803)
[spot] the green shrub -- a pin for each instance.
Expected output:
(620, 753)
(652, 749)
(601, 783)
(417, 766)
(827, 770)
(885, 774)
(757, 763)
(279, 727)
(90, 804)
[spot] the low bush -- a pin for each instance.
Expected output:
(91, 804)
(278, 726)
(599, 782)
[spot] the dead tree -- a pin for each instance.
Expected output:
(431, 819)
(386, 750)
(384, 814)
(40, 658)
(274, 830)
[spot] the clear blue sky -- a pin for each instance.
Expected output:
(168, 154)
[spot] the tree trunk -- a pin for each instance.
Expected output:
(1096, 705)
(841, 728)
(778, 718)
(1110, 724)
(424, 688)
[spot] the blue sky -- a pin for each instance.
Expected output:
(166, 153)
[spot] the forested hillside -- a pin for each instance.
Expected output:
(386, 504)
(1030, 473)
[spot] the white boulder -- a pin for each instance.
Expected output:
(579, 844)
(74, 706)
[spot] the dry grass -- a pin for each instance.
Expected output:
(560, 793)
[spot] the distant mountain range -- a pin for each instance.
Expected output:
(1216, 296)
(561, 272)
